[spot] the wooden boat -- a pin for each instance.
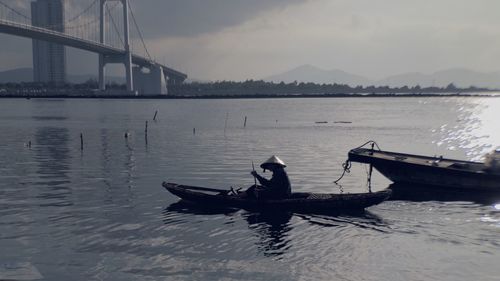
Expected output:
(432, 171)
(299, 201)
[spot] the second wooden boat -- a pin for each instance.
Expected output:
(424, 170)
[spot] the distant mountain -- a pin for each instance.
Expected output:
(407, 79)
(309, 73)
(26, 75)
(81, 78)
(16, 75)
(458, 76)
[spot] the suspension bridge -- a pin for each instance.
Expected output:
(102, 28)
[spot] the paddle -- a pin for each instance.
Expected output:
(254, 178)
(166, 185)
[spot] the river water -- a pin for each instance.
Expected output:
(101, 214)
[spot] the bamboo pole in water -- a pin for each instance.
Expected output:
(81, 141)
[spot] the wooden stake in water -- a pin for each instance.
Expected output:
(370, 173)
(146, 133)
(156, 113)
(81, 141)
(245, 123)
(194, 131)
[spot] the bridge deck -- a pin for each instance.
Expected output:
(43, 34)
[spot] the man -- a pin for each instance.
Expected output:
(278, 187)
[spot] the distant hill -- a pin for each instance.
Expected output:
(407, 79)
(309, 73)
(459, 77)
(16, 75)
(85, 77)
(26, 75)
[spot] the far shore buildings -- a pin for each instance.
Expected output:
(49, 59)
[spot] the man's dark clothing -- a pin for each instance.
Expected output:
(277, 187)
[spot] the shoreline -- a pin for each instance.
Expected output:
(491, 94)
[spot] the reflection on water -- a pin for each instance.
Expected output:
(270, 228)
(53, 159)
(49, 118)
(475, 128)
(52, 152)
(422, 193)
(272, 231)
(362, 219)
(129, 163)
(184, 207)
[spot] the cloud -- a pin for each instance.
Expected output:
(187, 18)
(158, 19)
(371, 38)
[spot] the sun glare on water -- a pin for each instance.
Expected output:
(479, 134)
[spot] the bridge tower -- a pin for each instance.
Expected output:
(126, 59)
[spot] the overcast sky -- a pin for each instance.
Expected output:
(242, 39)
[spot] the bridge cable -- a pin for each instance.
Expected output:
(139, 31)
(82, 12)
(115, 26)
(14, 10)
(96, 20)
(53, 27)
(2, 3)
(88, 23)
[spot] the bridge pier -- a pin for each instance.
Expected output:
(102, 37)
(150, 80)
(102, 73)
(128, 53)
(126, 59)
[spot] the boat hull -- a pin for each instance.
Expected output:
(308, 202)
(422, 170)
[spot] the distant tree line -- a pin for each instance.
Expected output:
(43, 88)
(89, 84)
(258, 88)
(249, 88)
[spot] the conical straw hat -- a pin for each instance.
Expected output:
(274, 160)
